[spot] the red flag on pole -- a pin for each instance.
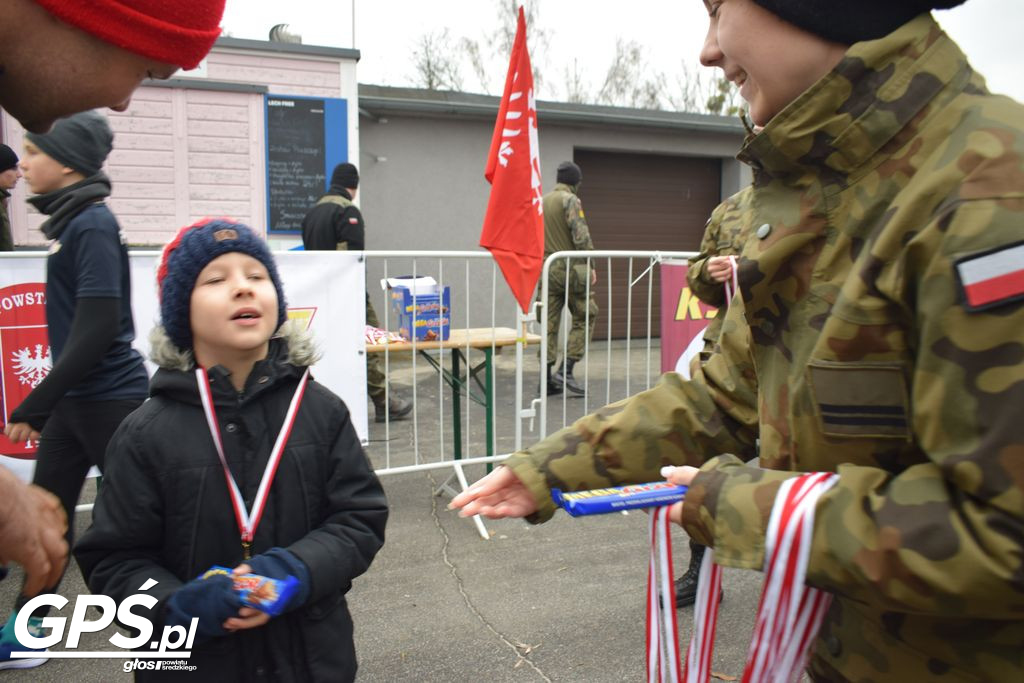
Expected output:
(514, 225)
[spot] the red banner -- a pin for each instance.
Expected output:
(513, 228)
(24, 353)
(683, 319)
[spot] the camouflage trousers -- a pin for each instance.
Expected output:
(582, 309)
(375, 377)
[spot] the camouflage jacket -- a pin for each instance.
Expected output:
(723, 236)
(879, 194)
(565, 226)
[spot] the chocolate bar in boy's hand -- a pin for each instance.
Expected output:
(260, 592)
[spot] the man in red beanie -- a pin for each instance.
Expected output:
(96, 52)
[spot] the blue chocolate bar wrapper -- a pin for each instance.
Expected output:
(617, 498)
(260, 592)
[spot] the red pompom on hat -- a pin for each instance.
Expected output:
(170, 31)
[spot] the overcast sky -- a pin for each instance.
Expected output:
(386, 32)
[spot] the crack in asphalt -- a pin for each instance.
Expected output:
(518, 649)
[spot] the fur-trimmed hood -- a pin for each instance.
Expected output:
(288, 356)
(302, 351)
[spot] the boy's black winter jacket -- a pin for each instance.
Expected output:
(164, 511)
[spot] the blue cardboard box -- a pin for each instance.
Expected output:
(428, 311)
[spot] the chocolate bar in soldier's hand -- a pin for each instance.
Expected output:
(617, 498)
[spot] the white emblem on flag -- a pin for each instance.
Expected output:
(31, 368)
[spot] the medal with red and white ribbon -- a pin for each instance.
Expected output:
(790, 613)
(248, 520)
(663, 663)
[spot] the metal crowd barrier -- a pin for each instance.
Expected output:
(480, 301)
(631, 270)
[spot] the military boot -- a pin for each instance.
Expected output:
(390, 407)
(564, 377)
(686, 585)
(553, 386)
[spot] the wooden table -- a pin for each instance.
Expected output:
(460, 341)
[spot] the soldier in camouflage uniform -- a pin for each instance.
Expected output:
(565, 229)
(879, 334)
(707, 275)
(709, 270)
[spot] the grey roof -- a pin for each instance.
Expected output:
(378, 100)
(288, 48)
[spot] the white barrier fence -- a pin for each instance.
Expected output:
(632, 271)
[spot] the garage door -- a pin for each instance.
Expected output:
(643, 202)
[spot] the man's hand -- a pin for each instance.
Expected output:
(32, 528)
(720, 268)
(681, 476)
(593, 276)
(18, 432)
(498, 495)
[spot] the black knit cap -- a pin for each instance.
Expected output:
(568, 173)
(185, 256)
(851, 21)
(8, 159)
(345, 175)
(81, 142)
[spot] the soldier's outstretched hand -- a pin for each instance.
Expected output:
(498, 495)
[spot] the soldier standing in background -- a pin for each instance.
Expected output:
(565, 229)
(336, 224)
(9, 175)
(878, 335)
(707, 275)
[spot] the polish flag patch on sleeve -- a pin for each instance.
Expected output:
(992, 278)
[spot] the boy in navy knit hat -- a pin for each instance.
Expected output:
(97, 377)
(232, 401)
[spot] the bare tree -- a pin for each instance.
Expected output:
(629, 81)
(502, 38)
(490, 62)
(471, 49)
(576, 90)
(725, 98)
(436, 63)
(694, 93)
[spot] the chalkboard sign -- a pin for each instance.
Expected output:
(306, 137)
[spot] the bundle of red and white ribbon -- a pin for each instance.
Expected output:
(789, 614)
